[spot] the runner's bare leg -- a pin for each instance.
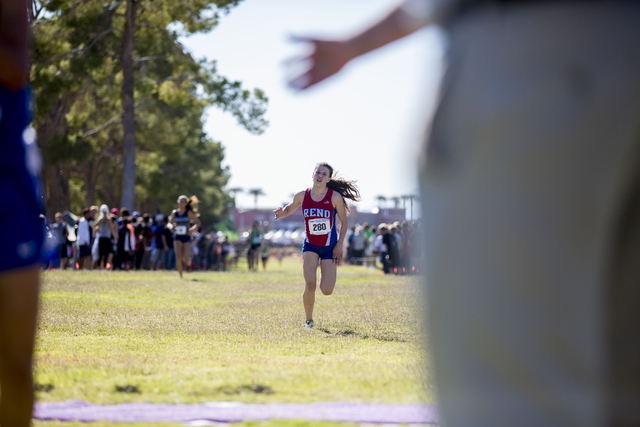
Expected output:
(18, 317)
(309, 270)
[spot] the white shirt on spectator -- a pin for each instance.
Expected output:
(84, 236)
(379, 246)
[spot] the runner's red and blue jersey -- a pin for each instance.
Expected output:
(319, 219)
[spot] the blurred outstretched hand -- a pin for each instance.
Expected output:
(326, 59)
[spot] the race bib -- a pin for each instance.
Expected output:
(181, 230)
(319, 226)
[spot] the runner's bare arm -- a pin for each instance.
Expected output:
(14, 43)
(291, 207)
(193, 217)
(329, 56)
(338, 204)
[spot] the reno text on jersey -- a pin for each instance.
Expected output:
(319, 220)
(315, 213)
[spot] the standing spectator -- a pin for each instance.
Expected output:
(139, 250)
(170, 261)
(406, 247)
(254, 240)
(393, 254)
(50, 245)
(224, 254)
(107, 233)
(358, 245)
(349, 239)
(126, 242)
(399, 258)
(158, 255)
(114, 239)
(61, 233)
(369, 250)
(232, 255)
(382, 248)
(213, 254)
(147, 242)
(368, 230)
(264, 255)
(114, 214)
(85, 239)
(200, 256)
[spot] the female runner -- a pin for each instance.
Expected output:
(320, 205)
(181, 220)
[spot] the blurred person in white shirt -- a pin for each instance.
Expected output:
(530, 193)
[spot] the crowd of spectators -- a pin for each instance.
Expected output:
(112, 239)
(122, 240)
(395, 246)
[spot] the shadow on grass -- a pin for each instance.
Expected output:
(128, 389)
(353, 334)
(247, 388)
(44, 388)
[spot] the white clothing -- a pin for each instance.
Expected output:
(528, 188)
(379, 246)
(84, 235)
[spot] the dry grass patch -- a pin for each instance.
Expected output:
(228, 336)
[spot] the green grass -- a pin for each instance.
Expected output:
(228, 336)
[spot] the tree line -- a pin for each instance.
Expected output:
(119, 104)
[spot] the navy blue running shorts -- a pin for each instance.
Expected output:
(324, 252)
(21, 231)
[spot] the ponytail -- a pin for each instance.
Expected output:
(191, 205)
(347, 189)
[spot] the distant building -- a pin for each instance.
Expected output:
(384, 215)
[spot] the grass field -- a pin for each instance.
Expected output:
(111, 337)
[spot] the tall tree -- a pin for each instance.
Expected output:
(128, 111)
(256, 192)
(381, 200)
(233, 192)
(79, 74)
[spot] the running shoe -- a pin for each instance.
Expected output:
(308, 324)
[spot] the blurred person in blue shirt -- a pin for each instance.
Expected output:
(22, 235)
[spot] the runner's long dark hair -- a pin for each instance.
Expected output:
(192, 202)
(347, 189)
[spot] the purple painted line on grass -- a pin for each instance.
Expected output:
(394, 413)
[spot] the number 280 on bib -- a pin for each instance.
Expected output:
(319, 226)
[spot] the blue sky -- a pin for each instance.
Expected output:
(366, 122)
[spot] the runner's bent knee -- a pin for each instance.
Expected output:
(326, 291)
(327, 288)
